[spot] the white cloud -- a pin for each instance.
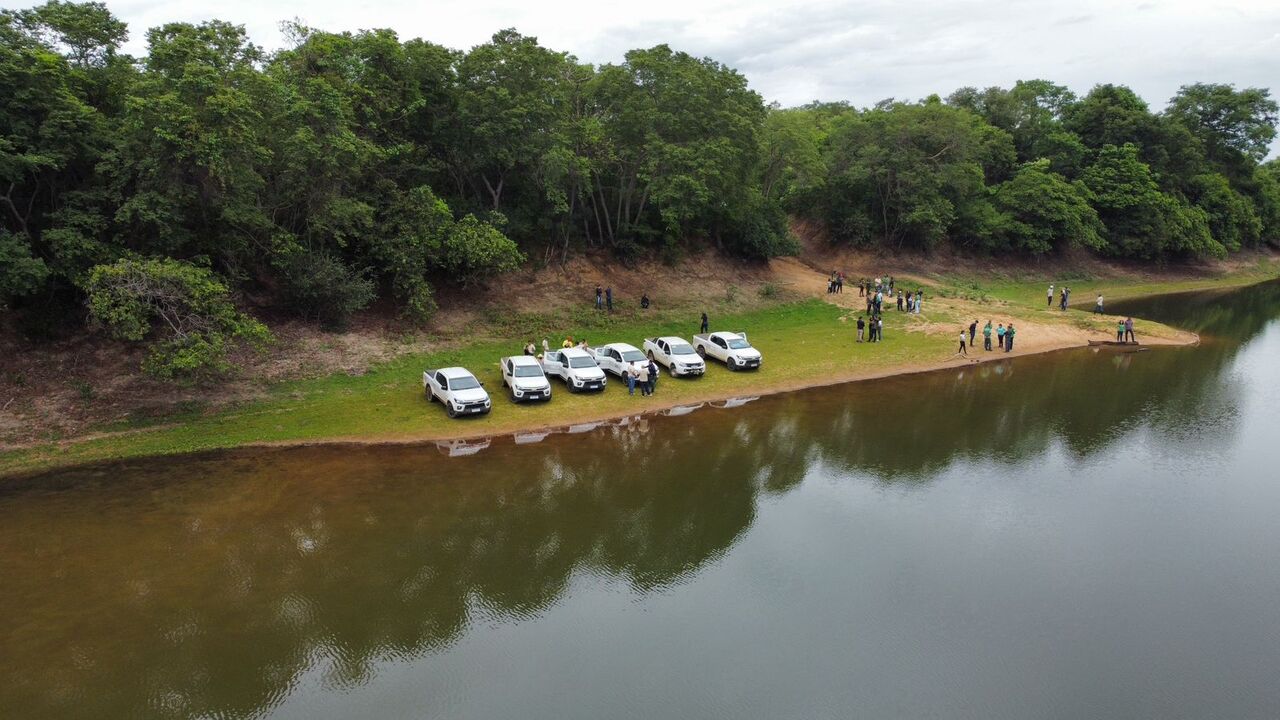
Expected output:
(856, 50)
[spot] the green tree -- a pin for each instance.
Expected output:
(909, 175)
(1044, 212)
(1233, 126)
(20, 272)
(1232, 219)
(1140, 220)
(184, 311)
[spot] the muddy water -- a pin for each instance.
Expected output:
(1087, 534)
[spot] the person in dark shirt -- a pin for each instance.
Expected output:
(705, 324)
(644, 301)
(862, 325)
(608, 297)
(973, 331)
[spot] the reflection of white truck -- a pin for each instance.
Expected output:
(677, 355)
(523, 376)
(459, 391)
(617, 357)
(575, 367)
(730, 348)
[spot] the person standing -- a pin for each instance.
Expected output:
(1050, 297)
(644, 301)
(862, 324)
(1000, 331)
(599, 297)
(705, 324)
(1097, 308)
(1063, 304)
(986, 336)
(973, 330)
(642, 379)
(1128, 331)
(899, 302)
(962, 351)
(633, 372)
(1008, 338)
(530, 349)
(653, 376)
(879, 329)
(608, 297)
(1119, 331)
(546, 346)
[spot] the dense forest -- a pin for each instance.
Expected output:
(145, 195)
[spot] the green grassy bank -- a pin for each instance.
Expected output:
(805, 342)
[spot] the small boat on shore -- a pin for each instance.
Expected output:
(1122, 346)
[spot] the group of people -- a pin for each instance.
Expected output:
(872, 329)
(604, 299)
(1004, 337)
(1064, 297)
(1124, 331)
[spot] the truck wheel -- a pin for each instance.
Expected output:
(650, 354)
(512, 393)
(430, 398)
(702, 352)
(448, 409)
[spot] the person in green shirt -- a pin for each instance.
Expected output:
(986, 336)
(1008, 338)
(1120, 331)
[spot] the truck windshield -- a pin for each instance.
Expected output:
(681, 349)
(527, 371)
(633, 356)
(581, 362)
(739, 344)
(463, 383)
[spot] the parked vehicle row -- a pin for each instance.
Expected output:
(527, 378)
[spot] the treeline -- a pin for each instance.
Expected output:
(353, 166)
(1035, 169)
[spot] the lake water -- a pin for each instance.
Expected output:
(1089, 534)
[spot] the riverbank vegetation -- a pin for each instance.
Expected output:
(806, 342)
(347, 169)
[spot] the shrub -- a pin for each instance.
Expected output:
(185, 311)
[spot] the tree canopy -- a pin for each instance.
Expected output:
(356, 165)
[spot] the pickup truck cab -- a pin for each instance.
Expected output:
(730, 348)
(678, 356)
(458, 390)
(576, 367)
(617, 357)
(523, 377)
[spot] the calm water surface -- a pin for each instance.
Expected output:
(1086, 535)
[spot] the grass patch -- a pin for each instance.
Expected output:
(803, 342)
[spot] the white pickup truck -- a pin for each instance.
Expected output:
(459, 391)
(522, 375)
(677, 355)
(730, 348)
(617, 357)
(575, 367)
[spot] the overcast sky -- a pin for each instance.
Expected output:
(856, 50)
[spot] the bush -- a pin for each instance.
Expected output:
(321, 288)
(185, 310)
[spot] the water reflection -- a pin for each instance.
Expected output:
(208, 586)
